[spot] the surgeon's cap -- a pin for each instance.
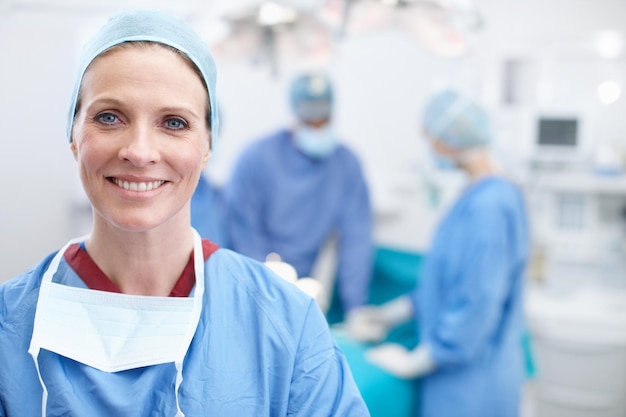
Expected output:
(457, 121)
(312, 97)
(154, 26)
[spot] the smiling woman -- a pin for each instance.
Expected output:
(143, 317)
(140, 123)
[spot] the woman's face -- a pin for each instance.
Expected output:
(140, 137)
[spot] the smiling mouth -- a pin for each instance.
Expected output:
(136, 186)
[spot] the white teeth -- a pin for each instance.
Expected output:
(138, 186)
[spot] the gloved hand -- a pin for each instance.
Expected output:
(401, 362)
(287, 272)
(371, 323)
(314, 288)
(283, 270)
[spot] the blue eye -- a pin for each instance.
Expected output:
(107, 118)
(176, 123)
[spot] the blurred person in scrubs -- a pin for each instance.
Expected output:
(143, 317)
(468, 303)
(208, 208)
(294, 191)
(208, 211)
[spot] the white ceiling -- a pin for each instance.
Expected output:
(570, 26)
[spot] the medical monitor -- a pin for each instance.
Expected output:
(557, 132)
(558, 140)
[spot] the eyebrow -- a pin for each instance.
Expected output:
(168, 109)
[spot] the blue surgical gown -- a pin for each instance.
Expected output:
(262, 348)
(280, 200)
(207, 212)
(469, 304)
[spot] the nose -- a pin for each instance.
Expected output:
(139, 146)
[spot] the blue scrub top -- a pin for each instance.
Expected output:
(208, 212)
(469, 304)
(262, 348)
(280, 200)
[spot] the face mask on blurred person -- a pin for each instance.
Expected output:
(315, 142)
(443, 163)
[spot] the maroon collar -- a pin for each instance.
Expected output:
(95, 279)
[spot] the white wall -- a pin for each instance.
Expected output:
(36, 168)
(382, 80)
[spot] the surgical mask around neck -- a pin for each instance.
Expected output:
(315, 142)
(115, 332)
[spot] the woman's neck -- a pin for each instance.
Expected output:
(141, 263)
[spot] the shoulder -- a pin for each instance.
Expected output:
(18, 296)
(258, 312)
(490, 208)
(265, 289)
(347, 155)
(345, 163)
(266, 145)
(246, 293)
(259, 157)
(495, 194)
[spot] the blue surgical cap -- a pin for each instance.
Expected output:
(312, 97)
(457, 121)
(153, 26)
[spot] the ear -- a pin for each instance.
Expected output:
(207, 153)
(74, 149)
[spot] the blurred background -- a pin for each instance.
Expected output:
(552, 73)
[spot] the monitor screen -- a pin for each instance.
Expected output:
(558, 132)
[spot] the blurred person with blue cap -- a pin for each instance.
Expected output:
(294, 191)
(143, 317)
(468, 302)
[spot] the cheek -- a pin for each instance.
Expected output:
(184, 158)
(89, 154)
(190, 163)
(197, 153)
(442, 149)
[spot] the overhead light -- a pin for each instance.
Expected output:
(181, 8)
(609, 92)
(398, 3)
(271, 14)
